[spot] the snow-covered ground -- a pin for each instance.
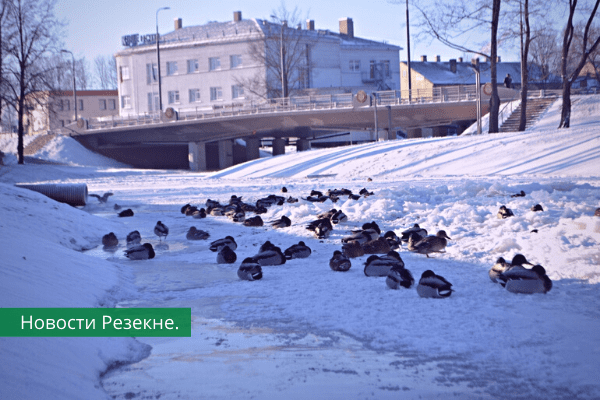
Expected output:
(303, 330)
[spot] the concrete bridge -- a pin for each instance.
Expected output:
(206, 139)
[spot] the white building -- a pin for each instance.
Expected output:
(211, 66)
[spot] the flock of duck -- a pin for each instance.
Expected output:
(514, 276)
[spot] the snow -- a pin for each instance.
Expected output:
(304, 330)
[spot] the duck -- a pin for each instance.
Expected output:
(597, 212)
(429, 244)
(377, 246)
(504, 212)
(253, 221)
(161, 230)
(226, 241)
(526, 281)
(117, 207)
(198, 214)
(291, 200)
(235, 199)
(102, 199)
(353, 249)
(327, 214)
(338, 192)
(520, 194)
(190, 210)
(369, 225)
(300, 250)
(282, 222)
(364, 192)
(316, 193)
(393, 240)
(323, 231)
(126, 213)
(399, 277)
(339, 262)
(416, 231)
(272, 256)
(133, 238)
(185, 207)
(315, 199)
(239, 216)
(226, 256)
(502, 266)
(536, 208)
(140, 252)
(380, 266)
(215, 211)
(433, 286)
(284, 190)
(363, 236)
(249, 270)
(266, 246)
(212, 203)
(354, 197)
(312, 226)
(196, 234)
(110, 240)
(339, 217)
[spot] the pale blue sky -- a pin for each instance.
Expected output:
(96, 27)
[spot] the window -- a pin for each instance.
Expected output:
(404, 74)
(354, 65)
(112, 104)
(152, 102)
(237, 92)
(59, 105)
(125, 101)
(192, 66)
(151, 73)
(171, 67)
(372, 68)
(67, 104)
(214, 63)
(174, 97)
(80, 105)
(102, 104)
(216, 93)
(124, 73)
(194, 95)
(385, 68)
(235, 60)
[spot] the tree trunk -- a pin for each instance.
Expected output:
(525, 69)
(495, 99)
(565, 115)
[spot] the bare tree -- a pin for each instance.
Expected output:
(37, 33)
(450, 22)
(283, 52)
(592, 65)
(6, 34)
(568, 77)
(105, 69)
(545, 54)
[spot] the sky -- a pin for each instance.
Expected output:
(303, 330)
(96, 27)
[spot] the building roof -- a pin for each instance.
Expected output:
(439, 73)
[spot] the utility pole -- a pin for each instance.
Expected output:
(158, 58)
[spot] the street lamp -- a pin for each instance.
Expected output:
(284, 93)
(478, 95)
(158, 57)
(408, 54)
(74, 87)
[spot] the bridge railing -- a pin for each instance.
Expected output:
(297, 103)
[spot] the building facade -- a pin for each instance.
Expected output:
(55, 110)
(224, 64)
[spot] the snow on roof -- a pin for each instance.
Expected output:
(439, 73)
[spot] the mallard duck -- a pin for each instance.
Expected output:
(339, 217)
(597, 212)
(190, 210)
(504, 212)
(380, 266)
(429, 244)
(537, 207)
(133, 238)
(226, 255)
(365, 192)
(110, 240)
(282, 222)
(253, 221)
(161, 230)
(140, 252)
(339, 262)
(272, 256)
(198, 214)
(433, 286)
(393, 240)
(377, 246)
(312, 225)
(126, 213)
(266, 246)
(361, 237)
(520, 194)
(527, 281)
(399, 277)
(249, 270)
(353, 249)
(415, 230)
(185, 207)
(196, 234)
(226, 241)
(103, 198)
(300, 250)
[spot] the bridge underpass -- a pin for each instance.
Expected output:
(209, 142)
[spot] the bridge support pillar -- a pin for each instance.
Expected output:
(302, 145)
(439, 131)
(383, 135)
(252, 149)
(413, 133)
(197, 156)
(278, 146)
(225, 153)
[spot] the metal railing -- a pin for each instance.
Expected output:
(291, 104)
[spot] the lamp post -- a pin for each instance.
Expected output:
(478, 95)
(158, 58)
(408, 54)
(74, 86)
(284, 91)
